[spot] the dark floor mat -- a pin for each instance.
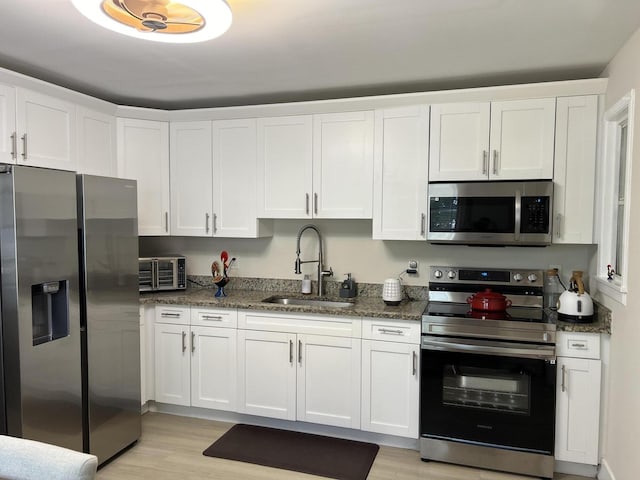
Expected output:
(301, 452)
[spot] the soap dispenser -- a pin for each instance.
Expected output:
(348, 288)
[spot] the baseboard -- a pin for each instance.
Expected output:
(572, 468)
(233, 417)
(605, 472)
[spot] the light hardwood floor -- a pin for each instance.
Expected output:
(171, 448)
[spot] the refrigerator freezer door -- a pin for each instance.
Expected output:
(39, 249)
(107, 210)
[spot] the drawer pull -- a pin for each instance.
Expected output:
(212, 317)
(169, 315)
(578, 345)
(392, 331)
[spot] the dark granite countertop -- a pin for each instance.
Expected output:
(601, 323)
(363, 306)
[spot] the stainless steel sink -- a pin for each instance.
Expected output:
(307, 302)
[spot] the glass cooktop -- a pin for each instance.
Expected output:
(463, 310)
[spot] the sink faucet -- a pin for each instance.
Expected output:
(321, 272)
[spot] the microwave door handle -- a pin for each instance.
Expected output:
(518, 215)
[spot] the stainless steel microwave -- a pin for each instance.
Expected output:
(491, 213)
(162, 273)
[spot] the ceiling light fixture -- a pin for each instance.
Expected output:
(183, 21)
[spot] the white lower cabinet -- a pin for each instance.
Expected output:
(195, 365)
(294, 375)
(579, 371)
(213, 372)
(391, 377)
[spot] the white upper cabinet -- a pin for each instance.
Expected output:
(143, 155)
(318, 166)
(46, 129)
(507, 140)
(574, 169)
(343, 165)
(522, 139)
(235, 180)
(8, 135)
(400, 173)
(285, 155)
(459, 142)
(191, 179)
(96, 142)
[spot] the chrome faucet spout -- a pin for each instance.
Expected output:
(298, 263)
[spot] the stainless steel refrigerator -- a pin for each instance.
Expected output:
(69, 325)
(110, 313)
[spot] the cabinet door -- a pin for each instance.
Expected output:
(267, 374)
(234, 178)
(459, 142)
(578, 410)
(191, 179)
(574, 169)
(329, 380)
(213, 368)
(143, 155)
(46, 129)
(401, 173)
(172, 365)
(96, 143)
(285, 166)
(8, 135)
(522, 139)
(390, 388)
(343, 165)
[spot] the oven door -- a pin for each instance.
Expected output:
(491, 393)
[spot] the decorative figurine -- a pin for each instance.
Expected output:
(220, 277)
(610, 272)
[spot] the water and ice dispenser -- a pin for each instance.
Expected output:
(50, 311)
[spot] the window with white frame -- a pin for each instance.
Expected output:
(614, 208)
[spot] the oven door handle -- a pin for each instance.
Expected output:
(543, 352)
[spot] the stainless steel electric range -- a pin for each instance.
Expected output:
(488, 377)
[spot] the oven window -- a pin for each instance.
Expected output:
(486, 389)
(472, 214)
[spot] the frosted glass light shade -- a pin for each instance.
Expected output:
(180, 21)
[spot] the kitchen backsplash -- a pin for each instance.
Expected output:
(348, 248)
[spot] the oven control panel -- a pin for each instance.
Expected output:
(486, 276)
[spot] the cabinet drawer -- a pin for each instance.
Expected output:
(172, 314)
(578, 345)
(213, 317)
(403, 331)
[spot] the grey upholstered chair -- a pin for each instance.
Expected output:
(22, 459)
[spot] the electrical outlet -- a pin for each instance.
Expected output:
(413, 267)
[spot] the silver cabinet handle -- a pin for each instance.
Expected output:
(169, 315)
(166, 222)
(563, 377)
(184, 345)
(306, 208)
(558, 223)
(193, 342)
(415, 362)
(392, 331)
(206, 222)
(14, 146)
(578, 345)
(215, 223)
(495, 162)
(24, 146)
(291, 351)
(300, 352)
(423, 220)
(485, 162)
(212, 317)
(315, 203)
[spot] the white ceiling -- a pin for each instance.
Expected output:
(291, 50)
